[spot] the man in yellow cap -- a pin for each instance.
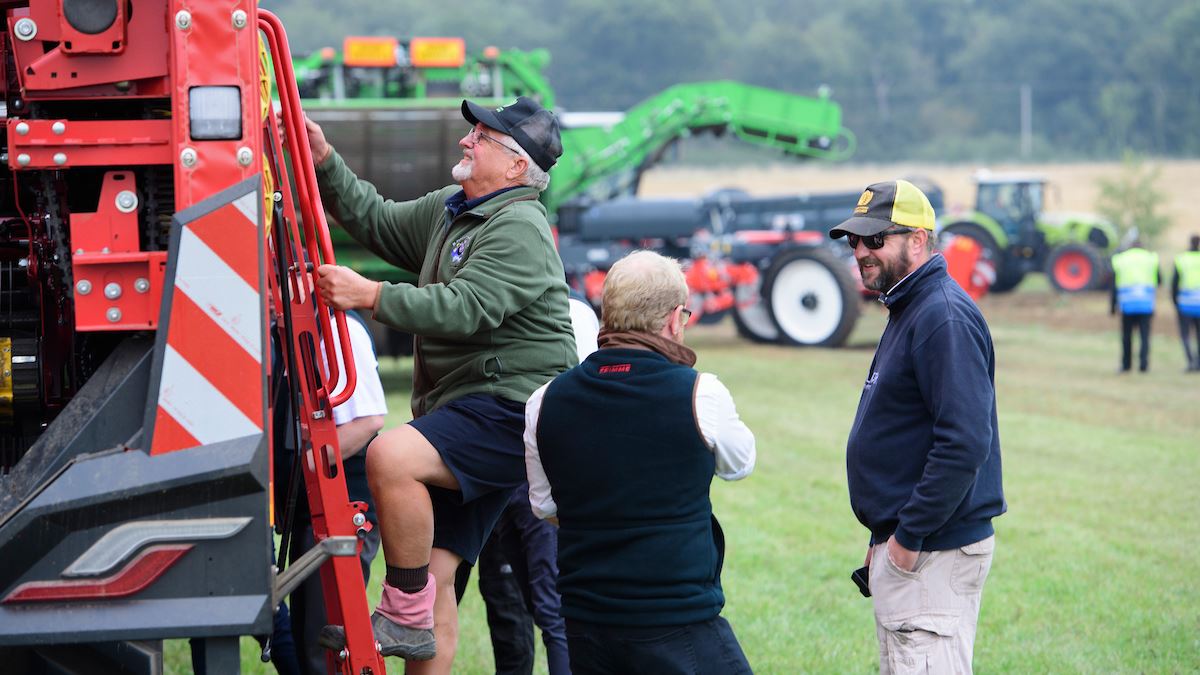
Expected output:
(923, 457)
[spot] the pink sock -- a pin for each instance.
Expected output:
(413, 610)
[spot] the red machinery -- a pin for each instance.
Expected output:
(142, 273)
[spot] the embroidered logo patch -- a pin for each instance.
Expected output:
(864, 201)
(459, 249)
(616, 368)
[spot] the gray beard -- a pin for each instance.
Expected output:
(461, 173)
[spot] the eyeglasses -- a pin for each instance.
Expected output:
(874, 241)
(475, 134)
(685, 314)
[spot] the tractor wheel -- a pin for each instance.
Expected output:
(751, 316)
(1005, 278)
(1075, 267)
(811, 298)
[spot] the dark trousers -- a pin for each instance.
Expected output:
(705, 648)
(518, 577)
(1189, 326)
(1142, 321)
(510, 624)
(530, 545)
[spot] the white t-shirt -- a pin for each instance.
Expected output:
(367, 399)
(586, 326)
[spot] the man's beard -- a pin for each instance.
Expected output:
(461, 172)
(888, 273)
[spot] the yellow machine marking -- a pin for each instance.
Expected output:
(6, 385)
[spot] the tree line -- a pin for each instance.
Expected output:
(983, 80)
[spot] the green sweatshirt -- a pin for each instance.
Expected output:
(489, 310)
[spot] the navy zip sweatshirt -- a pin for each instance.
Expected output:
(923, 457)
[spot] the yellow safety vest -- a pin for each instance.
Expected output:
(1188, 266)
(1136, 277)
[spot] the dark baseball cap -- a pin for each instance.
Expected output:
(884, 205)
(533, 127)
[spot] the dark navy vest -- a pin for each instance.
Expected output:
(637, 543)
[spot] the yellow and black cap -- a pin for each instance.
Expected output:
(886, 205)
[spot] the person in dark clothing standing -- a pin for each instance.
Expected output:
(622, 450)
(1185, 292)
(923, 456)
(1135, 278)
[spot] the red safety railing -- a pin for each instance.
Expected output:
(317, 241)
(333, 515)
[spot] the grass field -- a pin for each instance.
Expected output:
(1095, 568)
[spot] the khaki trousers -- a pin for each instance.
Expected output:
(925, 619)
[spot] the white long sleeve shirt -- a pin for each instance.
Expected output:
(730, 440)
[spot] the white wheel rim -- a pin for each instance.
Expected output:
(752, 311)
(806, 301)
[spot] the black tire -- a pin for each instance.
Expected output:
(1008, 277)
(1076, 267)
(1008, 272)
(812, 298)
(751, 316)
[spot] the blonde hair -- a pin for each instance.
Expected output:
(640, 291)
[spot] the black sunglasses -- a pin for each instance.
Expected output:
(874, 241)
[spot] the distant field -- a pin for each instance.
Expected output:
(1095, 569)
(1075, 187)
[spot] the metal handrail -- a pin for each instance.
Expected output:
(316, 229)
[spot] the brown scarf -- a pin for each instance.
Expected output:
(674, 351)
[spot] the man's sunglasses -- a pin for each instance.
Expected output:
(874, 241)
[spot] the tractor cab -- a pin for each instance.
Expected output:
(1015, 202)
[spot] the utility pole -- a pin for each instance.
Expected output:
(1026, 121)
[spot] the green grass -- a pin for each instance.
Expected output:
(1095, 568)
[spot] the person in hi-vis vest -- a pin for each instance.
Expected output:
(1185, 291)
(1136, 278)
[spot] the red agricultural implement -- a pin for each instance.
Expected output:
(151, 248)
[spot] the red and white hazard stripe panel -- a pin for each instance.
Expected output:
(210, 385)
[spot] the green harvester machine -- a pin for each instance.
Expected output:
(391, 108)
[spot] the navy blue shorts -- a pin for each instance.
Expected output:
(479, 437)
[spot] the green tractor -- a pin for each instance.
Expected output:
(1016, 237)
